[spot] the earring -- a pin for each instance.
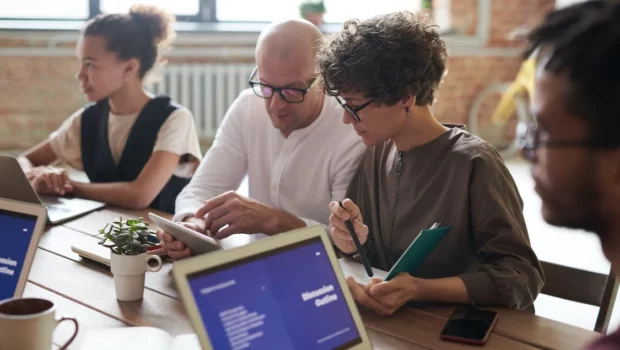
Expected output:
(407, 110)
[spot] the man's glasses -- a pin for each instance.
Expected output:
(290, 95)
(530, 137)
(353, 111)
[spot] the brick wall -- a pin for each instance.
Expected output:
(38, 93)
(507, 15)
(467, 76)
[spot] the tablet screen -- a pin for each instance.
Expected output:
(16, 231)
(288, 298)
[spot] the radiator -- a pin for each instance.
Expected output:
(206, 89)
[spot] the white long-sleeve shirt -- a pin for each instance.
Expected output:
(300, 174)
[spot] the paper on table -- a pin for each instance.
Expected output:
(130, 338)
(127, 338)
(357, 271)
(186, 342)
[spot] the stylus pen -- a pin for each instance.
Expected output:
(358, 245)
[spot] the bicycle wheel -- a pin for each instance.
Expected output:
(501, 135)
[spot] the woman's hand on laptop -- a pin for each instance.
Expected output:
(339, 231)
(50, 180)
(176, 249)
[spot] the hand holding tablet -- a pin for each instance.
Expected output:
(198, 243)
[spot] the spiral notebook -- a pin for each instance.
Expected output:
(418, 250)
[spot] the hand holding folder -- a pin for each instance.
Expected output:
(418, 250)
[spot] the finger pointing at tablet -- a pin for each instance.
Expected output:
(231, 213)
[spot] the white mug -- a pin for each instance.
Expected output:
(29, 323)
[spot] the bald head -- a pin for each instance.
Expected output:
(285, 58)
(292, 40)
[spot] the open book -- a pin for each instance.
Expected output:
(356, 270)
(131, 338)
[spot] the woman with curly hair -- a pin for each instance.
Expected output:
(385, 72)
(137, 149)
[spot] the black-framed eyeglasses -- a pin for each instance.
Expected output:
(530, 137)
(353, 111)
(288, 94)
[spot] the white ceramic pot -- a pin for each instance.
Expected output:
(129, 271)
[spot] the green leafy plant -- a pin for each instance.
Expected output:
(128, 237)
(311, 6)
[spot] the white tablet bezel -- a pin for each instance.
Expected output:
(185, 235)
(191, 265)
(40, 213)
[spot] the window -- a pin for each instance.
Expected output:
(177, 7)
(229, 11)
(338, 11)
(37, 9)
(255, 11)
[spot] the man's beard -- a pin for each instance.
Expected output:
(582, 211)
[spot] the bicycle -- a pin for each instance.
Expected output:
(512, 111)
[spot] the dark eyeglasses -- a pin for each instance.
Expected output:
(291, 95)
(530, 137)
(353, 111)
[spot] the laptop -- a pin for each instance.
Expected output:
(21, 225)
(281, 292)
(15, 185)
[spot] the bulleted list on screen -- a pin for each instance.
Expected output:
(242, 326)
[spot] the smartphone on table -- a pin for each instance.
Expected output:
(469, 325)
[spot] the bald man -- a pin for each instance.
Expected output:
(286, 135)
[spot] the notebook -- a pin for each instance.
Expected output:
(21, 225)
(418, 250)
(100, 254)
(356, 270)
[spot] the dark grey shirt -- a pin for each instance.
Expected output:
(460, 181)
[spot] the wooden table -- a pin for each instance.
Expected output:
(85, 290)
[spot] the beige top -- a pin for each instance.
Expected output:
(177, 135)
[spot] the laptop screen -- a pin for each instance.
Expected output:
(288, 298)
(16, 230)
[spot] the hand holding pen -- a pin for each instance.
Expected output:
(348, 230)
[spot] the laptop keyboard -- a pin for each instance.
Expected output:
(52, 209)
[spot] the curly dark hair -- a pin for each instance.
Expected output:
(386, 58)
(584, 43)
(142, 33)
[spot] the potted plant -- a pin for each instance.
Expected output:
(129, 241)
(313, 11)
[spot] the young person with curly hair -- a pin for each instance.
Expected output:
(137, 149)
(385, 72)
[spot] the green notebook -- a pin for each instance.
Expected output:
(418, 250)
